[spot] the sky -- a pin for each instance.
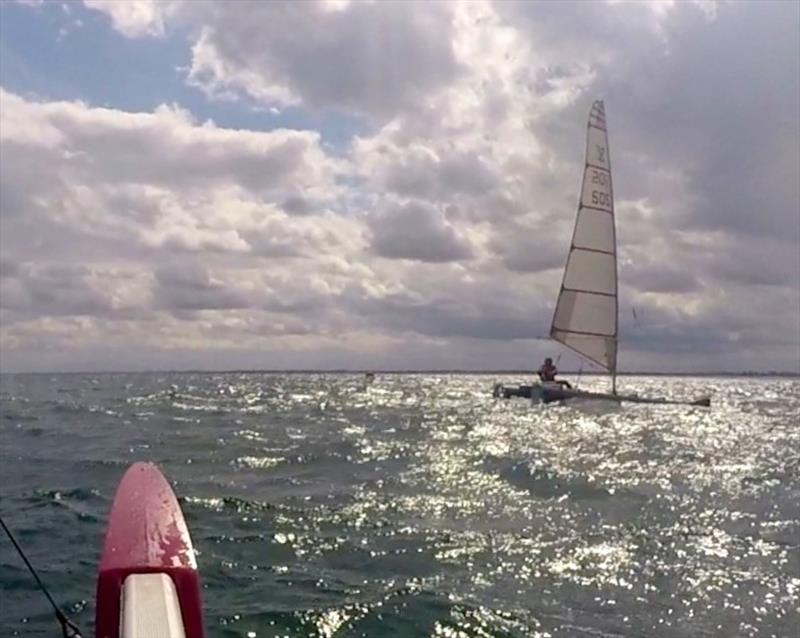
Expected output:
(391, 185)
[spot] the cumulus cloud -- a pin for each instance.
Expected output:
(8, 268)
(188, 286)
(150, 179)
(425, 171)
(115, 217)
(442, 316)
(138, 17)
(54, 291)
(368, 58)
(187, 153)
(416, 231)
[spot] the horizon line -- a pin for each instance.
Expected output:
(394, 371)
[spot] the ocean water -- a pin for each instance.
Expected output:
(419, 507)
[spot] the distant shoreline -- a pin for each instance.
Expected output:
(344, 371)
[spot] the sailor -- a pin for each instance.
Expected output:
(548, 372)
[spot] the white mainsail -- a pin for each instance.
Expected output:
(585, 318)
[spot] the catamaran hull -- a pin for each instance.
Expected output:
(553, 392)
(537, 393)
(147, 564)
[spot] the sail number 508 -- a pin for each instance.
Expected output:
(601, 199)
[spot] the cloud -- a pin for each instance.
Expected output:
(136, 18)
(713, 329)
(188, 286)
(373, 59)
(297, 205)
(734, 133)
(115, 217)
(8, 268)
(532, 248)
(451, 319)
(416, 231)
(148, 179)
(427, 172)
(54, 291)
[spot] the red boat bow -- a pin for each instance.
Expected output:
(146, 534)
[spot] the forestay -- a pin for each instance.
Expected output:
(585, 318)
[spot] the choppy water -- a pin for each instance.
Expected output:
(421, 507)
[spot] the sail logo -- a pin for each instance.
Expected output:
(601, 153)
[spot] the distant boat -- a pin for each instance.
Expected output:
(586, 314)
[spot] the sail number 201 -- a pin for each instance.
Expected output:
(598, 177)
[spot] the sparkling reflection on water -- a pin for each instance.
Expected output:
(420, 506)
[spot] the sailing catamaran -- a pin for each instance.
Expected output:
(586, 315)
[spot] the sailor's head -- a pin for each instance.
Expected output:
(548, 361)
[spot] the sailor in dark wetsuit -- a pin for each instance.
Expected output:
(548, 372)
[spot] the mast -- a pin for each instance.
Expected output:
(616, 261)
(586, 315)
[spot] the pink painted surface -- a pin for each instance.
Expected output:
(146, 533)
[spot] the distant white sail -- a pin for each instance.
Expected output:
(585, 318)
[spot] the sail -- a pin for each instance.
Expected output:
(585, 318)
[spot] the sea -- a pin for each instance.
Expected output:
(418, 505)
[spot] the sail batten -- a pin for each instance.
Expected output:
(585, 318)
(593, 250)
(588, 292)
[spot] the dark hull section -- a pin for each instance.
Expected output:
(543, 393)
(506, 392)
(562, 393)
